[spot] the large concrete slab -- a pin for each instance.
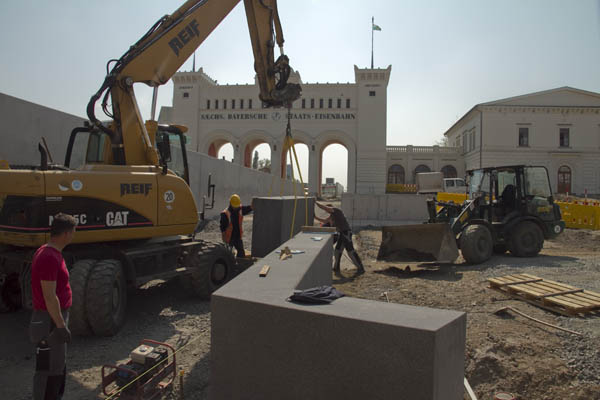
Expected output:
(264, 347)
(272, 222)
(384, 209)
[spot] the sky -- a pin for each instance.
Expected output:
(446, 55)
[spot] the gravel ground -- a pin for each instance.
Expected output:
(504, 352)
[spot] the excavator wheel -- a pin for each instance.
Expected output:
(526, 239)
(476, 244)
(106, 297)
(78, 278)
(212, 266)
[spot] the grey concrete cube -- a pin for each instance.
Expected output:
(272, 221)
(265, 347)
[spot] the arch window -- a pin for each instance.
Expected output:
(449, 171)
(396, 174)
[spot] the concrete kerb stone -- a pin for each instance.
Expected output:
(264, 347)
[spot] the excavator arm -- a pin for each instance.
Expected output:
(156, 57)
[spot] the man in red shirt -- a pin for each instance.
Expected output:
(51, 294)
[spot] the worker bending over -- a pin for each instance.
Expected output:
(338, 220)
(231, 224)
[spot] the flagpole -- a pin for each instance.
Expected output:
(372, 23)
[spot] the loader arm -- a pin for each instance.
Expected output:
(157, 56)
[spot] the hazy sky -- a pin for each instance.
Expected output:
(446, 56)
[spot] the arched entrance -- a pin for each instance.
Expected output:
(288, 161)
(396, 174)
(221, 148)
(449, 171)
(257, 155)
(420, 168)
(333, 163)
(564, 179)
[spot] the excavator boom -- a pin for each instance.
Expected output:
(156, 57)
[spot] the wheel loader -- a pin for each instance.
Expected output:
(126, 181)
(508, 208)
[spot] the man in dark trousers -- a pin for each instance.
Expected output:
(338, 220)
(231, 224)
(51, 294)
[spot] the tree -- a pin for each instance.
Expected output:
(264, 165)
(442, 142)
(255, 160)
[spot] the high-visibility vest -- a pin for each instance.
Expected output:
(227, 234)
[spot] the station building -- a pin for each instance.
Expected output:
(558, 129)
(350, 114)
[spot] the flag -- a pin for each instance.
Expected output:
(376, 27)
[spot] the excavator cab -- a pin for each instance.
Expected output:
(89, 145)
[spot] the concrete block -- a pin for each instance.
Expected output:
(264, 347)
(272, 221)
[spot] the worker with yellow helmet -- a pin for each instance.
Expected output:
(232, 223)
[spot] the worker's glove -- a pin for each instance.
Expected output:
(64, 334)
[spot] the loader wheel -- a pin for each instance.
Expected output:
(500, 248)
(476, 244)
(526, 239)
(212, 266)
(79, 278)
(106, 298)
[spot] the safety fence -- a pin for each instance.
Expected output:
(580, 214)
(401, 188)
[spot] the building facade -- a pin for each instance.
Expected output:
(404, 162)
(350, 114)
(558, 129)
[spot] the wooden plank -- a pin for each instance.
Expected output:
(264, 271)
(555, 296)
(584, 300)
(567, 304)
(520, 282)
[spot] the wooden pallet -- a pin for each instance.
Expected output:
(558, 297)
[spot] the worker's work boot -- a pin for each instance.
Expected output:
(338, 257)
(360, 269)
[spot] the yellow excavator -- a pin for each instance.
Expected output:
(127, 181)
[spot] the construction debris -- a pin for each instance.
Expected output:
(506, 309)
(264, 271)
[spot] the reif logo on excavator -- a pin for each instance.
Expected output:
(135, 188)
(184, 36)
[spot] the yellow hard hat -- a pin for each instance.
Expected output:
(235, 201)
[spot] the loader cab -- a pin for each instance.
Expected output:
(507, 194)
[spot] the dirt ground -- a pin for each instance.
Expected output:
(504, 352)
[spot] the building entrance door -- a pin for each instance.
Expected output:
(564, 179)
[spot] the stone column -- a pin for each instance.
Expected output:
(313, 169)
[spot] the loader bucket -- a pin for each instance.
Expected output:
(423, 242)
